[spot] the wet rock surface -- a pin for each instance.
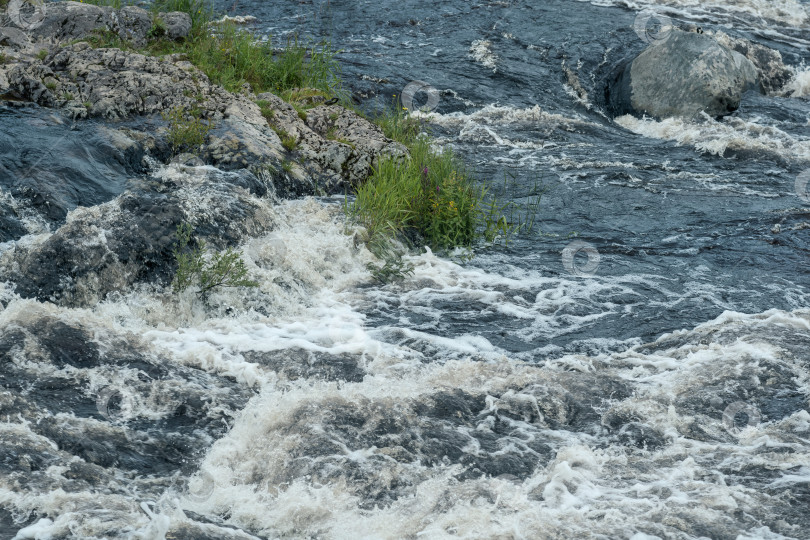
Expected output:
(111, 84)
(685, 74)
(130, 239)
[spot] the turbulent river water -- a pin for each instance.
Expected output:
(656, 384)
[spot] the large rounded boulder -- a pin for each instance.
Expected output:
(683, 75)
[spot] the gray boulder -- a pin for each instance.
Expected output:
(177, 24)
(684, 75)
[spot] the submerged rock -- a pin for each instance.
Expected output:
(684, 75)
(130, 239)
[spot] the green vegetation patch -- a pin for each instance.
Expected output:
(222, 269)
(430, 194)
(187, 129)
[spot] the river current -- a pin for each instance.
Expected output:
(635, 365)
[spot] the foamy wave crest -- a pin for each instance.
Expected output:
(717, 137)
(799, 86)
(791, 12)
(481, 52)
(502, 448)
(483, 125)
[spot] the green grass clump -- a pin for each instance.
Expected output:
(158, 29)
(431, 194)
(399, 126)
(117, 4)
(231, 57)
(42, 54)
(187, 129)
(224, 269)
(288, 141)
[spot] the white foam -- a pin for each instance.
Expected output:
(486, 124)
(481, 52)
(716, 137)
(799, 85)
(791, 12)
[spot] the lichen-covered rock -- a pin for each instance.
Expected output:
(62, 22)
(332, 147)
(14, 38)
(335, 139)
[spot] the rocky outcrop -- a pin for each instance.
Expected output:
(684, 75)
(334, 138)
(61, 22)
(338, 149)
(126, 234)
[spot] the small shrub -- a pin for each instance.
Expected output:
(267, 111)
(3, 59)
(287, 165)
(224, 269)
(87, 105)
(67, 96)
(187, 131)
(50, 86)
(42, 54)
(158, 28)
(289, 142)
